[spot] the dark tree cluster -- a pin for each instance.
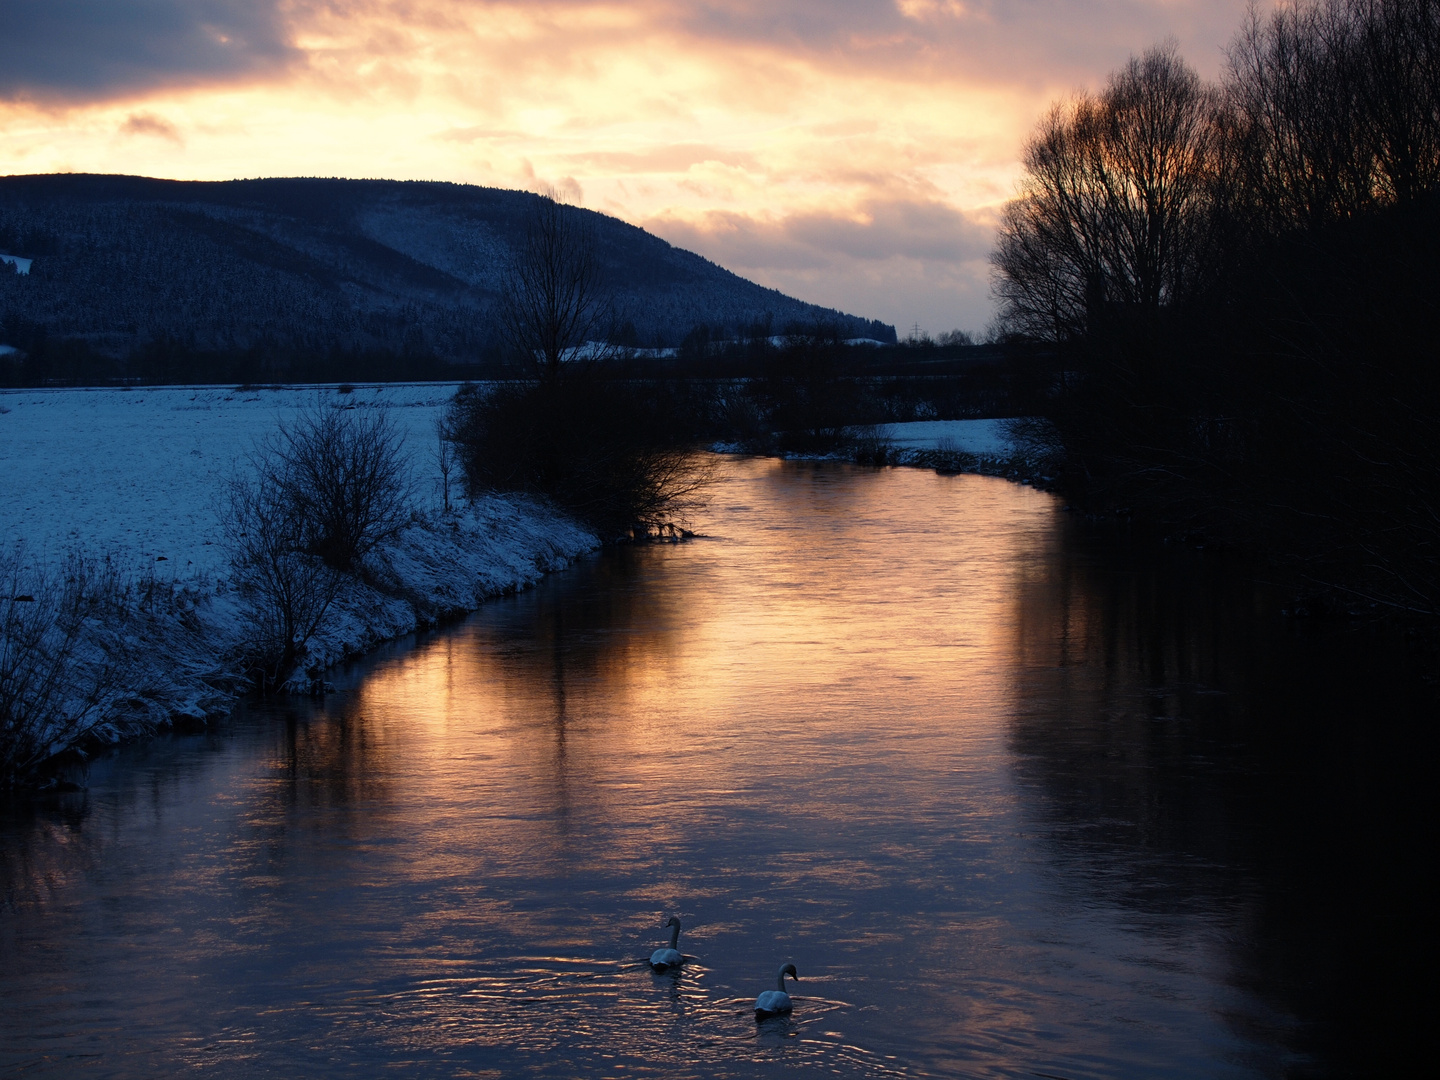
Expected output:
(614, 439)
(1240, 282)
(618, 454)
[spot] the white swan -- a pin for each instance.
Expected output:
(775, 1002)
(665, 959)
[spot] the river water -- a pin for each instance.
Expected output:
(1017, 798)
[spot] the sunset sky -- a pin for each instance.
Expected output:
(849, 152)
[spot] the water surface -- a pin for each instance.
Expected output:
(1017, 799)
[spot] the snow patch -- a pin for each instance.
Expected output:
(983, 438)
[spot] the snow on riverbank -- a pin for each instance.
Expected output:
(1020, 449)
(130, 480)
(982, 438)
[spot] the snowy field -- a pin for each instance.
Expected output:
(134, 474)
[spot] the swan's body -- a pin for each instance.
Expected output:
(776, 1002)
(665, 959)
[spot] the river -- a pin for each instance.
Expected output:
(1017, 796)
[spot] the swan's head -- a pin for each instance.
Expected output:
(789, 969)
(674, 921)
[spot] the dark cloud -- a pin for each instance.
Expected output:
(907, 262)
(81, 50)
(150, 124)
(903, 260)
(85, 50)
(929, 231)
(999, 40)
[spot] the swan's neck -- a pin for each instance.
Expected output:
(780, 982)
(675, 937)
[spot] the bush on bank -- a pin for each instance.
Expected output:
(620, 455)
(317, 497)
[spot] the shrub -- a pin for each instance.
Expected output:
(872, 444)
(341, 475)
(52, 691)
(288, 588)
(322, 493)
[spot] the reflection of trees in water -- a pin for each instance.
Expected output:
(582, 637)
(43, 847)
(607, 616)
(330, 758)
(1187, 751)
(51, 842)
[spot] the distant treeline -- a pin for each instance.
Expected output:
(43, 358)
(1241, 282)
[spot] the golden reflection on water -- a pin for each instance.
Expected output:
(780, 619)
(811, 660)
(822, 732)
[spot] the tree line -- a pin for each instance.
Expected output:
(1239, 281)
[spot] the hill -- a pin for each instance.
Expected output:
(144, 275)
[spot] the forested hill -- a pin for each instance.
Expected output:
(142, 271)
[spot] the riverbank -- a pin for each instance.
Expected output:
(120, 491)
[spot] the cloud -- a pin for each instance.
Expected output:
(1011, 40)
(924, 231)
(901, 260)
(923, 10)
(150, 124)
(673, 158)
(79, 50)
(89, 50)
(837, 149)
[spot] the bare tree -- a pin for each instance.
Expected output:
(1284, 231)
(552, 302)
(956, 337)
(1114, 206)
(1338, 102)
(445, 459)
(1399, 46)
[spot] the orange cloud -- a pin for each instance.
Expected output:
(879, 135)
(922, 10)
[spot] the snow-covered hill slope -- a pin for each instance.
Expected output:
(269, 267)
